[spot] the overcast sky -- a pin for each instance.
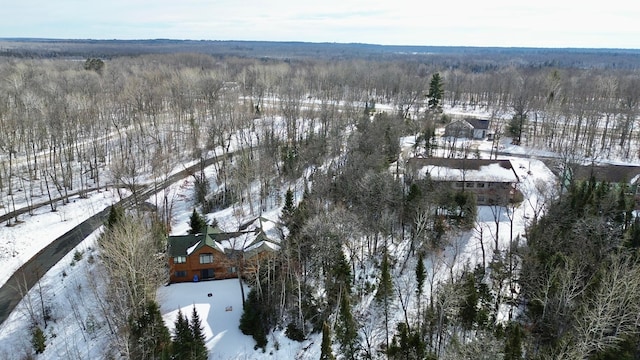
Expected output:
(510, 23)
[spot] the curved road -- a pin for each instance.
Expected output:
(30, 272)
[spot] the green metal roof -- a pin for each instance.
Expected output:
(178, 245)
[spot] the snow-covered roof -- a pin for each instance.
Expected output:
(239, 241)
(473, 170)
(263, 244)
(270, 228)
(261, 234)
(191, 248)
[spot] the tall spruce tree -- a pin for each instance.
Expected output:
(253, 321)
(149, 337)
(436, 92)
(469, 304)
(421, 276)
(383, 295)
(325, 346)
(288, 209)
(338, 282)
(514, 335)
(116, 215)
(198, 347)
(182, 338)
(407, 344)
(347, 330)
(385, 287)
(197, 223)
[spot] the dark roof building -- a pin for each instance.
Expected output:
(612, 174)
(470, 128)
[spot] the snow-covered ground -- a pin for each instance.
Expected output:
(74, 331)
(220, 314)
(79, 334)
(21, 241)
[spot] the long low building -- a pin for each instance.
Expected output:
(494, 182)
(615, 175)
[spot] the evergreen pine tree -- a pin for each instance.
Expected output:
(436, 91)
(421, 276)
(149, 337)
(406, 344)
(339, 278)
(325, 347)
(299, 216)
(469, 305)
(385, 287)
(182, 337)
(347, 329)
(197, 223)
(252, 321)
(632, 236)
(288, 209)
(38, 339)
(513, 341)
(116, 215)
(198, 349)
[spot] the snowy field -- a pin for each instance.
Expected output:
(218, 312)
(220, 315)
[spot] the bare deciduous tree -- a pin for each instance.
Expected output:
(134, 267)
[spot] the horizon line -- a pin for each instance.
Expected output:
(54, 39)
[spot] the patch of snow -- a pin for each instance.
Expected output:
(190, 250)
(488, 173)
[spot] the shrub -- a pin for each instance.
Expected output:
(293, 332)
(38, 339)
(77, 256)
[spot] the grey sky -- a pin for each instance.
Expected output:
(542, 23)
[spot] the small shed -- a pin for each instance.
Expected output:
(470, 128)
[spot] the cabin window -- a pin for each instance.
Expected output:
(206, 258)
(181, 274)
(458, 184)
(480, 185)
(179, 259)
(231, 270)
(469, 185)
